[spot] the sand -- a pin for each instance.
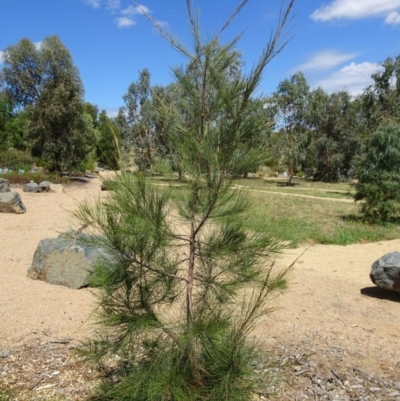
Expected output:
(28, 305)
(330, 302)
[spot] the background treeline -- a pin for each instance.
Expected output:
(43, 115)
(307, 132)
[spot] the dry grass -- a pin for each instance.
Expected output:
(311, 212)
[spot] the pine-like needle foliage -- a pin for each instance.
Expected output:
(186, 283)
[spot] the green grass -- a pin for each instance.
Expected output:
(299, 221)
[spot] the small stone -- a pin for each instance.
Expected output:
(374, 389)
(5, 353)
(384, 366)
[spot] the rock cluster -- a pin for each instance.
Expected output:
(10, 202)
(44, 186)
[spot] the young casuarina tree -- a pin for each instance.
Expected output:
(185, 283)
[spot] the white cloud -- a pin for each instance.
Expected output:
(1, 57)
(325, 60)
(141, 9)
(93, 3)
(355, 9)
(393, 18)
(353, 77)
(131, 10)
(38, 45)
(113, 4)
(161, 24)
(125, 22)
(128, 13)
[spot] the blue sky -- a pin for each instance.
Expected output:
(338, 44)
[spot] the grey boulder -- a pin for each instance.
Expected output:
(385, 272)
(31, 187)
(4, 185)
(10, 202)
(65, 261)
(44, 186)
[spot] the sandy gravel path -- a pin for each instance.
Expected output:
(27, 305)
(331, 309)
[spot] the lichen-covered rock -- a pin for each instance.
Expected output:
(65, 261)
(4, 185)
(10, 202)
(385, 272)
(31, 187)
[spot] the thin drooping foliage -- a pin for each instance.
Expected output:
(185, 282)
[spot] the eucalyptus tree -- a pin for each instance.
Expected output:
(337, 139)
(185, 283)
(13, 126)
(137, 122)
(5, 116)
(21, 74)
(92, 110)
(45, 83)
(290, 102)
(381, 101)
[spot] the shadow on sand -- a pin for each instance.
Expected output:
(380, 293)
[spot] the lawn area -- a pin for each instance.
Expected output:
(299, 220)
(321, 193)
(302, 220)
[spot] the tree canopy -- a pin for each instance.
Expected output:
(46, 84)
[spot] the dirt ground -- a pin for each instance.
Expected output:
(335, 335)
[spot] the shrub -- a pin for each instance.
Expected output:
(378, 175)
(88, 164)
(16, 159)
